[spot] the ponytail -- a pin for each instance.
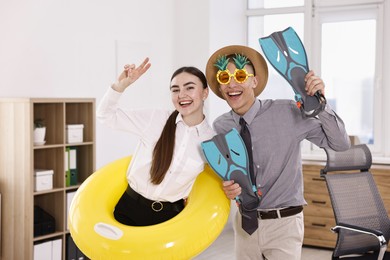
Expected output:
(163, 151)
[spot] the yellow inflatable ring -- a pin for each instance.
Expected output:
(99, 236)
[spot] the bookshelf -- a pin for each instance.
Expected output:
(19, 156)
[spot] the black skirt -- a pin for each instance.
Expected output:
(136, 210)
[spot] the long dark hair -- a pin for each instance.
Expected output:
(163, 151)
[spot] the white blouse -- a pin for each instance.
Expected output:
(188, 159)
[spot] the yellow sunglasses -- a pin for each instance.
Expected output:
(239, 75)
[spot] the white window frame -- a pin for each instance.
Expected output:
(315, 13)
(350, 13)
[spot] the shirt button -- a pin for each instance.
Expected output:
(257, 166)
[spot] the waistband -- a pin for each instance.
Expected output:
(154, 204)
(279, 213)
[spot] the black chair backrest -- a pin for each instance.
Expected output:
(358, 157)
(355, 199)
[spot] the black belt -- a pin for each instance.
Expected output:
(154, 204)
(280, 213)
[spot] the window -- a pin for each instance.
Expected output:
(265, 25)
(252, 4)
(348, 67)
(343, 46)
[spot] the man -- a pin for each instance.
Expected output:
(238, 74)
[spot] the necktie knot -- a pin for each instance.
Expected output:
(244, 128)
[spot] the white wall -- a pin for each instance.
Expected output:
(227, 27)
(73, 48)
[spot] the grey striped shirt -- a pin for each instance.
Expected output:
(277, 128)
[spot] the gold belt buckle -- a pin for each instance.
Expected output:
(159, 206)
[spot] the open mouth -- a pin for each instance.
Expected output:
(234, 94)
(185, 103)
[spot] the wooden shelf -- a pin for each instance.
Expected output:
(19, 157)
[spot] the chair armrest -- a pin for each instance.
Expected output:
(358, 229)
(378, 234)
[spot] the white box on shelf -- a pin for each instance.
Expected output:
(42, 251)
(43, 179)
(56, 249)
(49, 250)
(74, 133)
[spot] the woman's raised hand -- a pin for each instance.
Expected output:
(130, 74)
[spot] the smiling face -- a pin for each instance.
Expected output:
(240, 96)
(188, 95)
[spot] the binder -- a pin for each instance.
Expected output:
(80, 255)
(71, 172)
(70, 248)
(73, 166)
(72, 251)
(69, 198)
(73, 177)
(67, 171)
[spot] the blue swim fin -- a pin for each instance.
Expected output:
(286, 53)
(228, 157)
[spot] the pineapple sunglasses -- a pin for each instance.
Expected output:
(239, 75)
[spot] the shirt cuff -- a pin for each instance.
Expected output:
(113, 95)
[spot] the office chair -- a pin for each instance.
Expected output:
(362, 223)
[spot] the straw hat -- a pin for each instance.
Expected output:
(257, 60)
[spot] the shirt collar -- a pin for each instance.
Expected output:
(250, 114)
(200, 128)
(179, 118)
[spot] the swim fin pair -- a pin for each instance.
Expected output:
(286, 53)
(228, 157)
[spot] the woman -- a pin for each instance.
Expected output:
(168, 158)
